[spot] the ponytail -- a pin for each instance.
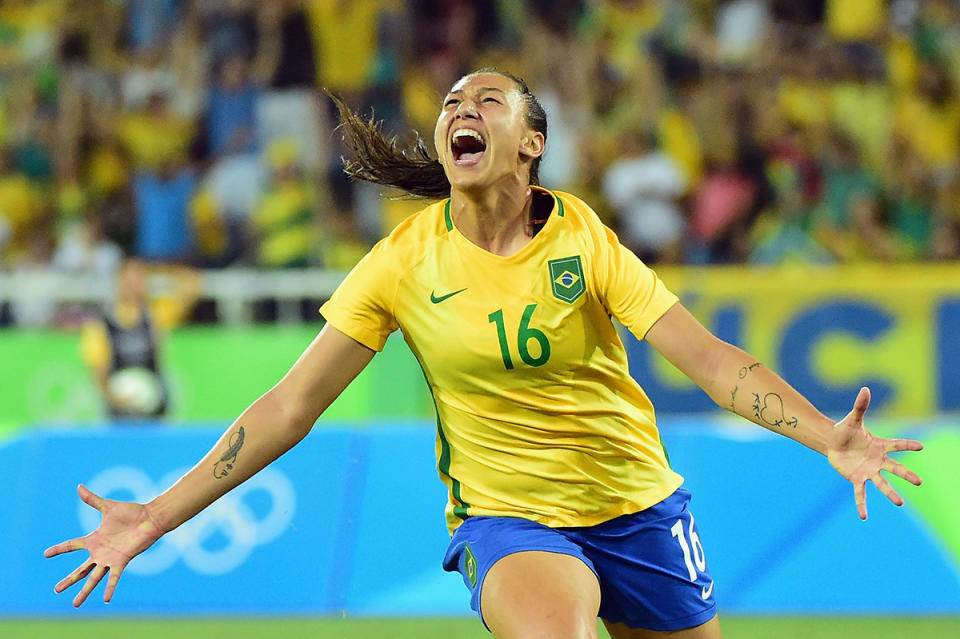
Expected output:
(376, 158)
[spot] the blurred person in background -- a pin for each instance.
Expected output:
(645, 186)
(928, 120)
(232, 148)
(158, 143)
(945, 244)
(286, 65)
(230, 28)
(84, 249)
(154, 137)
(121, 345)
(162, 232)
(150, 22)
(21, 208)
(285, 219)
(851, 200)
(726, 200)
(909, 204)
(562, 505)
(217, 242)
(37, 310)
(230, 119)
(781, 234)
(561, 91)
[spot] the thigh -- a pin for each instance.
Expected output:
(708, 630)
(525, 579)
(652, 568)
(541, 594)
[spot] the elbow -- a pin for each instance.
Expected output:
(289, 415)
(713, 361)
(718, 361)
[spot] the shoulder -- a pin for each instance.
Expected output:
(414, 237)
(576, 211)
(582, 219)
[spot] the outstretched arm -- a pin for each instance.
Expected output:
(738, 382)
(264, 431)
(268, 428)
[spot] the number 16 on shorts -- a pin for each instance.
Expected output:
(692, 550)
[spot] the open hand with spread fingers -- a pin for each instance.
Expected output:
(125, 531)
(859, 455)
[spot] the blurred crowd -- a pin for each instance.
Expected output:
(704, 131)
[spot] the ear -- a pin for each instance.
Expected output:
(531, 146)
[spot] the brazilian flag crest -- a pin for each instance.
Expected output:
(470, 564)
(566, 278)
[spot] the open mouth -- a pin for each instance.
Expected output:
(468, 147)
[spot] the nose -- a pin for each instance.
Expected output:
(466, 109)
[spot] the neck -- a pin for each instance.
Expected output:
(495, 219)
(127, 311)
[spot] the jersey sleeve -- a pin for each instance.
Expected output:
(362, 307)
(629, 289)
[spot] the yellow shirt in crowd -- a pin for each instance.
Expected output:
(537, 414)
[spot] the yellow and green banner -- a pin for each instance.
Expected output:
(828, 331)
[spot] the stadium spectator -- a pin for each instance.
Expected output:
(230, 29)
(150, 22)
(83, 248)
(645, 186)
(161, 198)
(287, 107)
(781, 235)
(37, 250)
(849, 192)
(285, 218)
(231, 110)
(155, 137)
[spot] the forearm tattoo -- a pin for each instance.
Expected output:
(770, 410)
(223, 467)
(733, 399)
(746, 369)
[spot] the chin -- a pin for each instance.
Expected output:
(468, 179)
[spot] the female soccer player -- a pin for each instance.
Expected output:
(562, 505)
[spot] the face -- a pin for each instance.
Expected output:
(482, 134)
(132, 284)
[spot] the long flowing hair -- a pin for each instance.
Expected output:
(375, 157)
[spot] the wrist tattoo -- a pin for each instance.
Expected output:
(733, 398)
(223, 467)
(746, 369)
(770, 411)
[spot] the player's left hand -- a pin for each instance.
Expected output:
(859, 455)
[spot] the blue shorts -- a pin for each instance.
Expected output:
(650, 565)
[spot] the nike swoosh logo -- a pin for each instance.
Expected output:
(705, 592)
(437, 299)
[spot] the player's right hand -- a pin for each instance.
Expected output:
(125, 531)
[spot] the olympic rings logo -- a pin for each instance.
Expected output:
(230, 518)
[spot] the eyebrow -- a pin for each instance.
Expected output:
(480, 90)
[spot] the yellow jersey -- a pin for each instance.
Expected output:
(537, 414)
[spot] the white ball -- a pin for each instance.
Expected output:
(137, 390)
